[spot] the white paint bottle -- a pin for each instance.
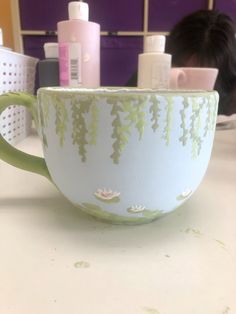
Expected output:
(154, 65)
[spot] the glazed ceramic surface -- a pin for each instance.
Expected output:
(127, 156)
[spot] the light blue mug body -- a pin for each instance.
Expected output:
(126, 155)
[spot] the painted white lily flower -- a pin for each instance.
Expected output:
(185, 194)
(136, 209)
(107, 194)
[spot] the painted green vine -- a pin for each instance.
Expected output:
(79, 129)
(128, 112)
(93, 126)
(169, 110)
(120, 134)
(208, 118)
(183, 139)
(155, 112)
(195, 127)
(215, 110)
(122, 124)
(61, 118)
(42, 120)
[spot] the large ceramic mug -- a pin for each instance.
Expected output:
(122, 155)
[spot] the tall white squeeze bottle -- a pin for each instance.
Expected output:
(79, 48)
(154, 65)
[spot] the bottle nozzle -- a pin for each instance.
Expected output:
(155, 43)
(78, 10)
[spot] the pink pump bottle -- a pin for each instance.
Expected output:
(79, 48)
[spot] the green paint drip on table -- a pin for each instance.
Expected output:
(81, 264)
(194, 231)
(226, 310)
(151, 310)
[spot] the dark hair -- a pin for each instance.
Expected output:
(208, 37)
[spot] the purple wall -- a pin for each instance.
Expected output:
(42, 15)
(111, 15)
(227, 6)
(118, 54)
(119, 59)
(163, 15)
(121, 15)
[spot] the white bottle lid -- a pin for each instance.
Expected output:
(1, 38)
(78, 10)
(155, 43)
(51, 50)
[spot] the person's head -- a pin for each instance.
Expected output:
(206, 38)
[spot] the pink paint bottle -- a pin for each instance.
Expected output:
(79, 48)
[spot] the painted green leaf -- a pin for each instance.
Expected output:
(169, 112)
(93, 126)
(61, 118)
(155, 112)
(79, 128)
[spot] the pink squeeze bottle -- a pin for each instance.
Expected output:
(79, 48)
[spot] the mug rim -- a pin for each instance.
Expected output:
(112, 90)
(197, 68)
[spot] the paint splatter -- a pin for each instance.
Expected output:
(195, 232)
(151, 310)
(226, 310)
(81, 264)
(222, 245)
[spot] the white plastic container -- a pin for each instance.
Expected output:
(1, 41)
(79, 48)
(1, 38)
(17, 74)
(154, 65)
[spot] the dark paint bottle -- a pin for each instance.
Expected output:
(48, 69)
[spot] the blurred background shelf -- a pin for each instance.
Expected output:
(124, 24)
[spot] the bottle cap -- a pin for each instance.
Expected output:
(155, 43)
(1, 37)
(78, 10)
(51, 50)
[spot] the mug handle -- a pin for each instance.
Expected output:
(10, 154)
(177, 78)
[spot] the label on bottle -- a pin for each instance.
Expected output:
(70, 64)
(160, 75)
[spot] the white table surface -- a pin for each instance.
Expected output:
(55, 259)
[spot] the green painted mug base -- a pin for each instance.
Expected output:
(104, 216)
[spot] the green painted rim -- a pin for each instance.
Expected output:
(118, 91)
